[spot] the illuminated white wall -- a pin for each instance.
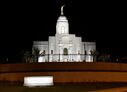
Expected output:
(41, 45)
(41, 59)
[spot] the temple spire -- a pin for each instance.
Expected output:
(62, 10)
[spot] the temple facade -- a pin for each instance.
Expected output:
(64, 47)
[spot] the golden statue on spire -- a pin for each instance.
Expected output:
(62, 10)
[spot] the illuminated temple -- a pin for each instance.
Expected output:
(64, 47)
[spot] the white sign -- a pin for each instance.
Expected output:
(33, 81)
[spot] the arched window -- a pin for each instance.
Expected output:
(65, 51)
(62, 29)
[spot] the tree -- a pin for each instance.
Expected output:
(25, 56)
(104, 57)
(94, 53)
(35, 54)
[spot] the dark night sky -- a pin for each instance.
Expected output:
(24, 22)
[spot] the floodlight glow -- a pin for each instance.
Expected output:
(89, 59)
(33, 81)
(41, 59)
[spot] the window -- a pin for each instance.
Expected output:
(78, 52)
(85, 52)
(51, 51)
(43, 52)
(62, 29)
(65, 51)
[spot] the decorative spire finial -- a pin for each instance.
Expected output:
(62, 10)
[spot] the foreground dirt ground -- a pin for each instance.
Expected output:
(119, 89)
(67, 88)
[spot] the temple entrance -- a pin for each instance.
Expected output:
(65, 51)
(65, 55)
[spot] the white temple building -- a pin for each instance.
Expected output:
(64, 47)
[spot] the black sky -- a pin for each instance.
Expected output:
(25, 22)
